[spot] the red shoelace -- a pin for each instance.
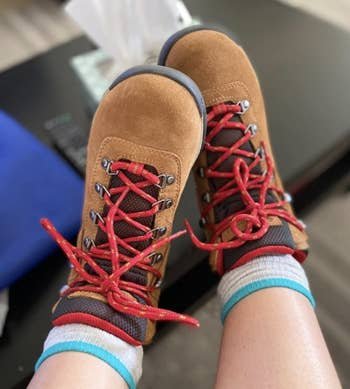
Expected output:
(116, 290)
(254, 215)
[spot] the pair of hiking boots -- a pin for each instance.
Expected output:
(201, 109)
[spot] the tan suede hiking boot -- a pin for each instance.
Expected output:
(245, 212)
(145, 138)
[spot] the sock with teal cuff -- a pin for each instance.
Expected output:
(124, 358)
(282, 271)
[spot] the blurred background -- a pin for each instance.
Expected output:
(54, 68)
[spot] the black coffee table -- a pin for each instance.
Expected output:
(303, 66)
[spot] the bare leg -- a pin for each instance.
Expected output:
(272, 339)
(76, 370)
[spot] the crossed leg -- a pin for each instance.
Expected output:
(271, 339)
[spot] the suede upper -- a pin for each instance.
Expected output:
(152, 120)
(224, 74)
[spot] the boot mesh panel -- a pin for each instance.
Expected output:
(276, 235)
(131, 203)
(132, 325)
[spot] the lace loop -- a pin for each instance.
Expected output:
(252, 222)
(117, 291)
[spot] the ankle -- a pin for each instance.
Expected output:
(263, 272)
(124, 358)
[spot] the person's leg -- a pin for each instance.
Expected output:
(79, 355)
(145, 136)
(76, 370)
(271, 337)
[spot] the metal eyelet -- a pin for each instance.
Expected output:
(163, 204)
(260, 152)
(159, 283)
(88, 243)
(106, 165)
(287, 197)
(252, 128)
(95, 217)
(64, 288)
(206, 197)
(164, 180)
(244, 104)
(302, 223)
(201, 172)
(155, 258)
(101, 190)
(202, 222)
(170, 179)
(158, 232)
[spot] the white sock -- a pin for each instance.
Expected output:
(261, 273)
(121, 356)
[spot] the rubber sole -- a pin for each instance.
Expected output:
(188, 30)
(173, 75)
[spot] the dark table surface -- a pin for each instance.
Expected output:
(303, 66)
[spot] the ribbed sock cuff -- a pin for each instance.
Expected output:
(261, 273)
(121, 356)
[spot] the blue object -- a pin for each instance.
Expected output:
(34, 183)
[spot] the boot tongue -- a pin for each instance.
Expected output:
(278, 234)
(234, 203)
(131, 203)
(227, 137)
